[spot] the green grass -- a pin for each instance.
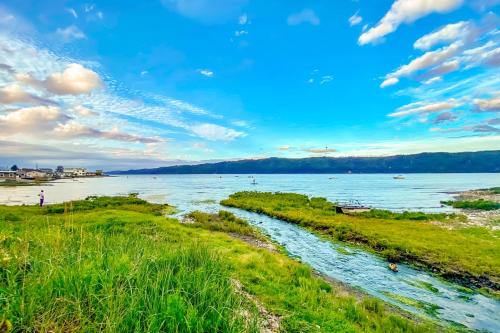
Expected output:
(479, 204)
(10, 183)
(118, 265)
(410, 240)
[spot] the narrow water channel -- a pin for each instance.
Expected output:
(413, 290)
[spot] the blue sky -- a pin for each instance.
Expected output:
(121, 84)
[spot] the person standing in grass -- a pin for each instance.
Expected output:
(42, 197)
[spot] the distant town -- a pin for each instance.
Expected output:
(45, 174)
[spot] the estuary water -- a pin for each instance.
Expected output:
(416, 291)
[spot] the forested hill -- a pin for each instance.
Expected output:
(483, 161)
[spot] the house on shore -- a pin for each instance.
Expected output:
(75, 172)
(8, 175)
(32, 174)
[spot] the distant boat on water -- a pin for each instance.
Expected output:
(254, 182)
(399, 177)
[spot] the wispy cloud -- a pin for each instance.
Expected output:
(424, 108)
(70, 33)
(406, 11)
(304, 16)
(206, 72)
(355, 19)
(207, 11)
(73, 12)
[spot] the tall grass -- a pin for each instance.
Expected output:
(113, 273)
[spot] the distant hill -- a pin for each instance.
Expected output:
(483, 161)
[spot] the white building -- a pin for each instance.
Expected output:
(75, 172)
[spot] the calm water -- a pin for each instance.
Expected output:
(349, 265)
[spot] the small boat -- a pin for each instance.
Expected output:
(332, 178)
(254, 182)
(393, 267)
(399, 177)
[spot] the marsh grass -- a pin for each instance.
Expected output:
(222, 221)
(479, 204)
(411, 240)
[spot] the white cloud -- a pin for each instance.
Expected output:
(239, 33)
(207, 11)
(206, 72)
(426, 60)
(432, 80)
(487, 105)
(389, 82)
(32, 120)
(240, 123)
(72, 11)
(445, 68)
(84, 111)
(284, 147)
(406, 11)
(326, 79)
(214, 132)
(14, 94)
(305, 16)
(243, 19)
(325, 151)
(424, 108)
(355, 19)
(448, 33)
(74, 80)
(70, 33)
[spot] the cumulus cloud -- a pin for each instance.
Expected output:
(406, 11)
(75, 130)
(487, 105)
(32, 120)
(70, 33)
(74, 80)
(448, 33)
(424, 108)
(14, 94)
(355, 19)
(304, 16)
(214, 132)
(284, 147)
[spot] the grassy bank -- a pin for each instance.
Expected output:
(119, 265)
(421, 239)
(479, 204)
